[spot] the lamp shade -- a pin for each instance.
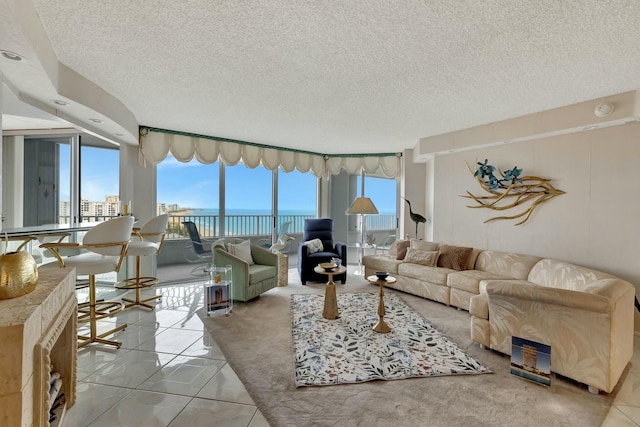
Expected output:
(363, 205)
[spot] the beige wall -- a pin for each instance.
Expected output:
(596, 223)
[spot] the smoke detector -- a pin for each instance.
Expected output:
(603, 110)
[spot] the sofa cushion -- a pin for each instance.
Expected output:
(507, 264)
(469, 280)
(434, 275)
(258, 273)
(242, 250)
(381, 263)
(398, 249)
(479, 306)
(416, 256)
(423, 246)
(453, 257)
(471, 262)
(482, 287)
(560, 274)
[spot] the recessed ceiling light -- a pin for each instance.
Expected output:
(96, 120)
(12, 56)
(60, 102)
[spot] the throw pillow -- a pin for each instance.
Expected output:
(398, 249)
(423, 246)
(454, 257)
(416, 256)
(314, 245)
(242, 250)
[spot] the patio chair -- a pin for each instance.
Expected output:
(198, 250)
(283, 244)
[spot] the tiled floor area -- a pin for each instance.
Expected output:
(170, 373)
(167, 372)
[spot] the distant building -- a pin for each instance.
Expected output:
(99, 211)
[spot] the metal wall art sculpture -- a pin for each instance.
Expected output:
(510, 190)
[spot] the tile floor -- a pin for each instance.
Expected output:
(168, 372)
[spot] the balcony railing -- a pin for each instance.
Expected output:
(245, 225)
(257, 225)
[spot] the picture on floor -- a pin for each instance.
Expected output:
(531, 360)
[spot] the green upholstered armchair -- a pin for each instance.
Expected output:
(249, 280)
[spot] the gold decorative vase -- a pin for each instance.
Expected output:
(18, 274)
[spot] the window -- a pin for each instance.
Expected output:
(297, 199)
(189, 192)
(248, 201)
(383, 192)
(99, 180)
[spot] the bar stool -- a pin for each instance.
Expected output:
(148, 242)
(106, 246)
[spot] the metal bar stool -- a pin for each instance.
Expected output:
(106, 246)
(148, 242)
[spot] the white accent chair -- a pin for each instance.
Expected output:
(146, 241)
(106, 246)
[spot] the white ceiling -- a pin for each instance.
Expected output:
(356, 76)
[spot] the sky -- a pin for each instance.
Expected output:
(195, 185)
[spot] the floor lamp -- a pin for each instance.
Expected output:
(362, 206)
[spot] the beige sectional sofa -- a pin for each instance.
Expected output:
(586, 316)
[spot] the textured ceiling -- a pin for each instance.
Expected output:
(352, 76)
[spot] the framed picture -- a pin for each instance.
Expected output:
(217, 297)
(531, 360)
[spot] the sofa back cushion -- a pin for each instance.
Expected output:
(507, 264)
(398, 249)
(423, 246)
(471, 261)
(563, 275)
(454, 257)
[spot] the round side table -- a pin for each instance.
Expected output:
(330, 311)
(381, 327)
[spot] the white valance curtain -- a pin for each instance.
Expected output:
(156, 144)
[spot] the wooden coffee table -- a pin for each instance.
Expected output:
(381, 327)
(330, 311)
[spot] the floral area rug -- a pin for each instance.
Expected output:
(347, 350)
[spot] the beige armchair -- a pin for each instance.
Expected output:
(250, 279)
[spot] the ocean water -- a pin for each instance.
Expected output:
(242, 222)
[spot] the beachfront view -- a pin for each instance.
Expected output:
(250, 202)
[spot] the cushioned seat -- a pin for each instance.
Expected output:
(254, 269)
(260, 273)
(469, 280)
(381, 263)
(106, 245)
(319, 230)
(435, 275)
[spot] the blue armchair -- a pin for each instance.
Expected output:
(321, 228)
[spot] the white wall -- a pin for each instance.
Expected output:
(413, 189)
(595, 224)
